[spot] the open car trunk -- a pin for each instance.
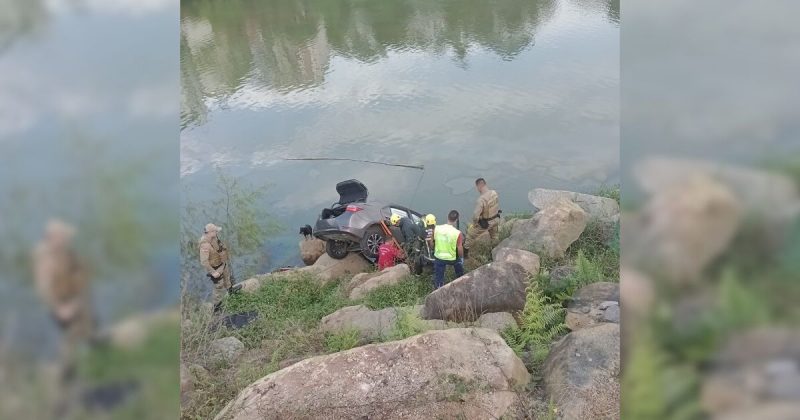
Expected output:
(350, 191)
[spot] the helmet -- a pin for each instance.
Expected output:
(430, 220)
(395, 219)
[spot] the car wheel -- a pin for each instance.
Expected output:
(336, 249)
(373, 238)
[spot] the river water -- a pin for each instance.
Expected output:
(522, 93)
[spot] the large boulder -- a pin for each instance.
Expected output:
(600, 209)
(682, 229)
(593, 304)
(372, 325)
(328, 269)
(225, 350)
(549, 232)
(363, 283)
(528, 260)
(494, 287)
(311, 250)
(581, 373)
(456, 373)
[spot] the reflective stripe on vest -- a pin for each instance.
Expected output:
(446, 242)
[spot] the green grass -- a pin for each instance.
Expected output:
(342, 340)
(285, 303)
(409, 292)
(609, 191)
(407, 325)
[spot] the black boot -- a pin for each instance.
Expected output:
(236, 288)
(218, 308)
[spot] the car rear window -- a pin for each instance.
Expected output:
(401, 213)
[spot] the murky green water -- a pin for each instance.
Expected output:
(523, 93)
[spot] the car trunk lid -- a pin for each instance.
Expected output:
(351, 191)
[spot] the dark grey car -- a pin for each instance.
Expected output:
(353, 225)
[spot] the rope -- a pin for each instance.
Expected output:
(422, 168)
(419, 182)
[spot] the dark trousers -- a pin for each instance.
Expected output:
(438, 270)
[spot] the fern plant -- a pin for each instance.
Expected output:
(586, 270)
(542, 322)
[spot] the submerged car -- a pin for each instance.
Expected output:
(354, 225)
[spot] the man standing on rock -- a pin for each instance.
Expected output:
(62, 282)
(448, 249)
(215, 259)
(486, 216)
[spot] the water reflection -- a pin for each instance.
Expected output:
(288, 46)
(524, 93)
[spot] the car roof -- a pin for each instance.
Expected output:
(383, 205)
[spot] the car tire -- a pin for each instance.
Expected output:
(373, 238)
(336, 249)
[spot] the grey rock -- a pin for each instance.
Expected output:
(494, 287)
(611, 314)
(602, 209)
(497, 321)
(549, 232)
(528, 260)
(430, 375)
(225, 350)
(585, 309)
(581, 373)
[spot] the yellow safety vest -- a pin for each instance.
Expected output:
(446, 242)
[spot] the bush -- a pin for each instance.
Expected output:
(408, 292)
(541, 323)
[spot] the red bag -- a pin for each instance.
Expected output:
(387, 255)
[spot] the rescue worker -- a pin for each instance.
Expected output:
(411, 231)
(486, 216)
(448, 249)
(62, 283)
(215, 259)
(430, 226)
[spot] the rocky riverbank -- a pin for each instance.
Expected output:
(335, 339)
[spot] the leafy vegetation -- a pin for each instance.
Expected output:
(407, 325)
(342, 340)
(609, 191)
(541, 323)
(245, 224)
